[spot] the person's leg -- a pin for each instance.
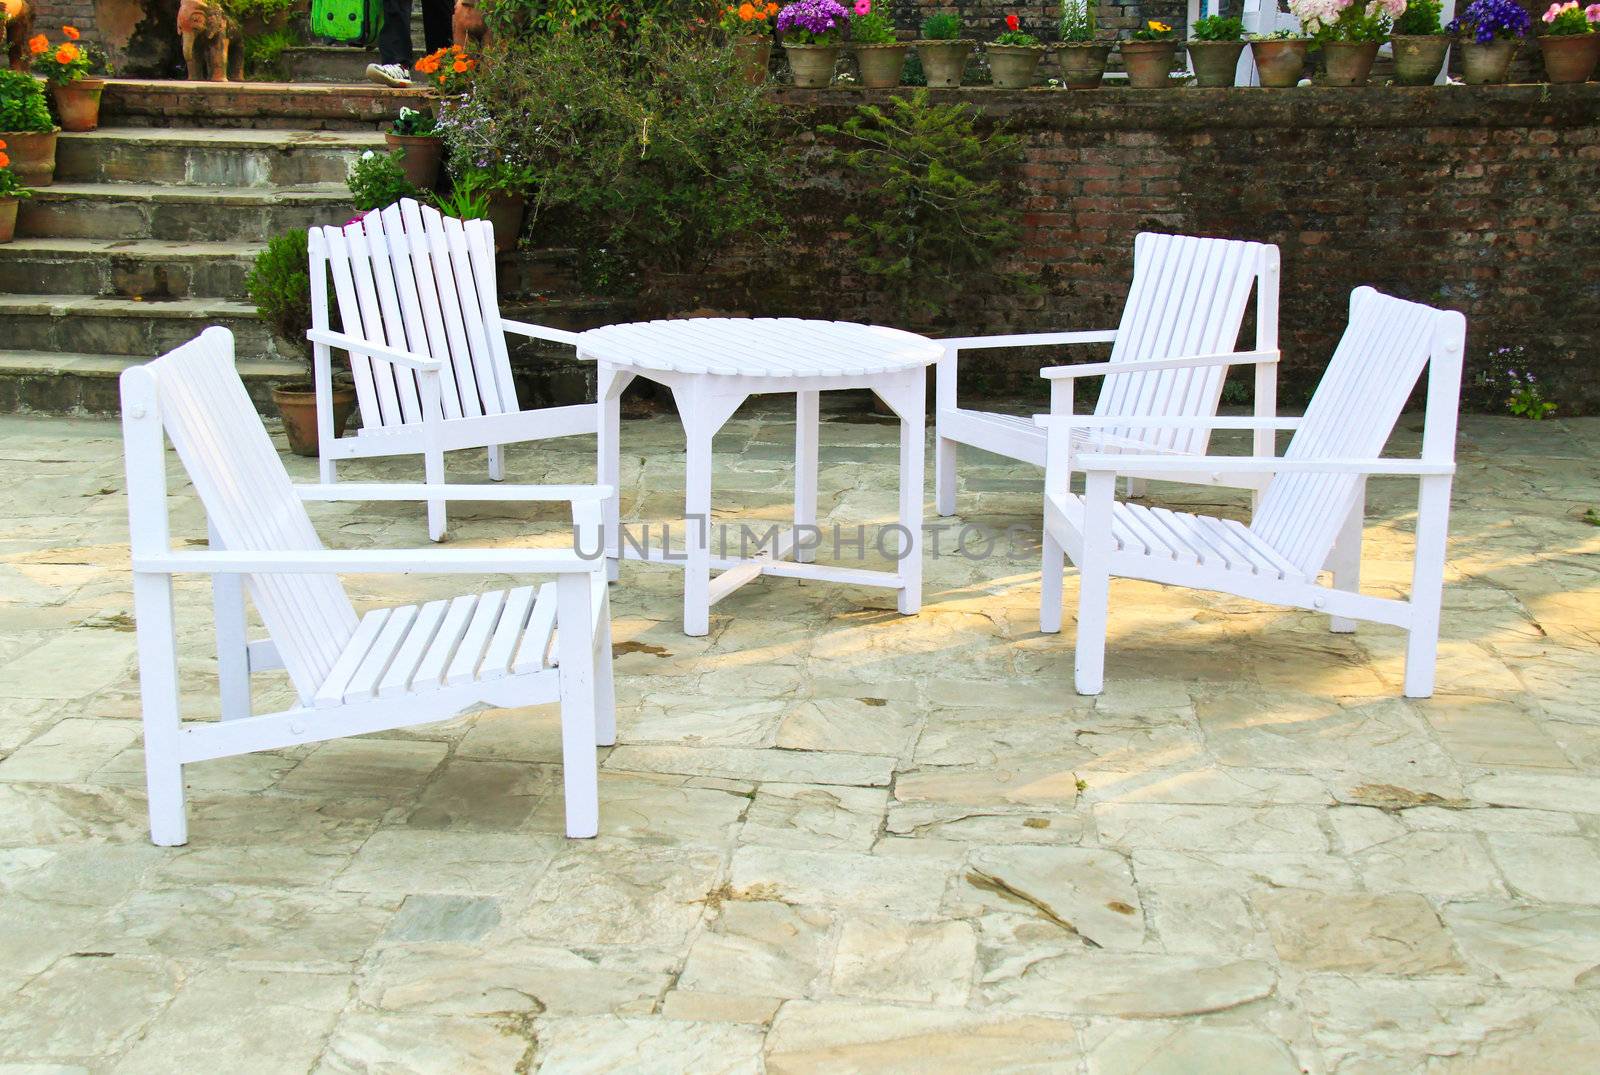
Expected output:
(436, 30)
(394, 38)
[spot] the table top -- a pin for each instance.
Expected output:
(759, 347)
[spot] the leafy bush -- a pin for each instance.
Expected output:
(280, 286)
(265, 10)
(1421, 17)
(467, 199)
(1217, 28)
(22, 103)
(263, 54)
(621, 19)
(1077, 20)
(936, 218)
(872, 28)
(376, 180)
(941, 27)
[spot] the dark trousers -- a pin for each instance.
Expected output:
(394, 39)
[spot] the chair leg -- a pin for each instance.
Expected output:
(497, 463)
(579, 766)
(1052, 568)
(1345, 559)
(944, 476)
(433, 473)
(1094, 583)
(605, 694)
(158, 690)
(1427, 586)
(1138, 488)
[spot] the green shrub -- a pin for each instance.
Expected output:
(23, 106)
(941, 27)
(1421, 17)
(266, 10)
(1217, 28)
(280, 286)
(376, 180)
(263, 54)
(621, 19)
(467, 199)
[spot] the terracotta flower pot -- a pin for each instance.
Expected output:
(78, 103)
(944, 62)
(8, 219)
(1083, 63)
(421, 156)
(812, 65)
(1482, 65)
(1280, 62)
(297, 404)
(507, 211)
(1570, 57)
(1418, 58)
(1014, 67)
(1348, 63)
(1149, 63)
(33, 156)
(881, 65)
(1215, 63)
(755, 54)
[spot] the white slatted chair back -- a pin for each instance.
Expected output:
(1188, 297)
(249, 501)
(1353, 411)
(410, 278)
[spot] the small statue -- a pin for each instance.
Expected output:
(16, 26)
(467, 27)
(212, 45)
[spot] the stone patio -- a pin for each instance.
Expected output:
(833, 839)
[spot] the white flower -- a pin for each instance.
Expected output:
(368, 155)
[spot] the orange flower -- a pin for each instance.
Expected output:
(2, 143)
(747, 11)
(461, 66)
(5, 161)
(443, 79)
(772, 9)
(66, 54)
(71, 32)
(38, 44)
(428, 65)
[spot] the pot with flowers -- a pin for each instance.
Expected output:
(1569, 43)
(26, 127)
(943, 50)
(1347, 33)
(416, 135)
(746, 25)
(1280, 58)
(1419, 43)
(879, 54)
(1081, 56)
(448, 71)
(1014, 56)
(66, 67)
(11, 192)
(811, 30)
(1148, 55)
(1215, 44)
(1492, 30)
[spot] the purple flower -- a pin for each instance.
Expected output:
(1491, 19)
(814, 18)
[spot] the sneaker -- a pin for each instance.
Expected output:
(388, 74)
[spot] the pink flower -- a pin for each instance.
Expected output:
(864, 7)
(1557, 8)
(1592, 12)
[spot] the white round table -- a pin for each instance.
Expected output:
(712, 365)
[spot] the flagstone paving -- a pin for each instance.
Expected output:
(832, 838)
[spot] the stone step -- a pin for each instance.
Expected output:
(43, 382)
(154, 270)
(329, 63)
(195, 214)
(234, 158)
(255, 105)
(84, 324)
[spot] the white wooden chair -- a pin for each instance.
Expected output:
(388, 668)
(1309, 517)
(1180, 325)
(427, 344)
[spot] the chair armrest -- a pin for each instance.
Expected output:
(1032, 339)
(373, 562)
(1100, 369)
(1253, 464)
(539, 332)
(1162, 421)
(384, 491)
(350, 343)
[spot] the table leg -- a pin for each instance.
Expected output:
(806, 425)
(906, 396)
(702, 414)
(608, 465)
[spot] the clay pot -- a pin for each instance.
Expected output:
(1215, 63)
(506, 213)
(1015, 67)
(297, 403)
(421, 156)
(33, 156)
(8, 219)
(944, 62)
(1482, 65)
(1570, 57)
(78, 103)
(881, 65)
(755, 55)
(1348, 63)
(1149, 63)
(812, 64)
(1418, 58)
(1083, 63)
(1281, 62)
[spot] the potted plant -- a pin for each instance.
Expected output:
(1280, 58)
(416, 136)
(1347, 33)
(66, 67)
(1148, 55)
(1215, 44)
(448, 71)
(506, 186)
(26, 127)
(1569, 43)
(1081, 56)
(1497, 27)
(746, 26)
(376, 181)
(280, 287)
(879, 54)
(1014, 56)
(810, 31)
(943, 50)
(1419, 42)
(11, 192)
